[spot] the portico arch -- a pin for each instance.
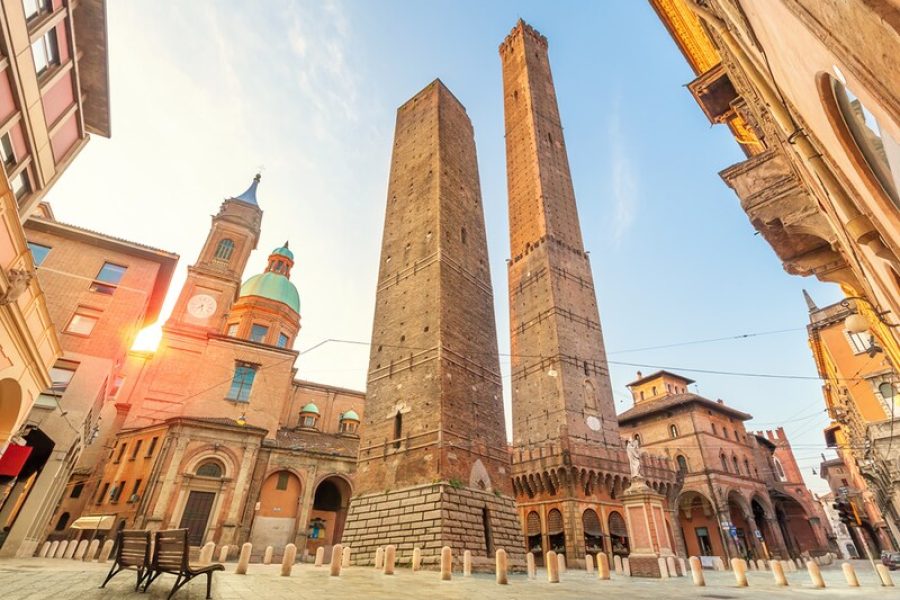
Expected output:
(699, 524)
(275, 523)
(329, 512)
(742, 527)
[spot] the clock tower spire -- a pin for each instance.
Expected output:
(214, 280)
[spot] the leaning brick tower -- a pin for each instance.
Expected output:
(433, 459)
(569, 467)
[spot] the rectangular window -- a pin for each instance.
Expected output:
(108, 278)
(21, 186)
(703, 541)
(102, 495)
(134, 490)
(83, 321)
(152, 447)
(859, 342)
(282, 340)
(45, 52)
(117, 492)
(136, 449)
(38, 253)
(282, 481)
(61, 375)
(242, 382)
(232, 330)
(77, 489)
(116, 386)
(122, 447)
(7, 154)
(258, 333)
(33, 8)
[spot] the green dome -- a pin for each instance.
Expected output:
(273, 286)
(310, 408)
(284, 251)
(350, 415)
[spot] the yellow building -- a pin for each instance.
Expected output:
(859, 385)
(811, 91)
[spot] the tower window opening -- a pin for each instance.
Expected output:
(486, 522)
(463, 235)
(224, 249)
(398, 429)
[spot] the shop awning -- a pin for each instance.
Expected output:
(102, 522)
(13, 460)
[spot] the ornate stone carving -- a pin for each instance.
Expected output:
(18, 282)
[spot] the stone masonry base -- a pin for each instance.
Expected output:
(431, 516)
(644, 565)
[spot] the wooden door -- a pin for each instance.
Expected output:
(196, 516)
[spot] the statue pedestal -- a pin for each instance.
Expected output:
(648, 536)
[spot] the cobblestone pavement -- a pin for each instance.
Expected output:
(44, 579)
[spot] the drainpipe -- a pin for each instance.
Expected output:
(858, 225)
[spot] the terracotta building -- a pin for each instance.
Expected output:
(742, 493)
(861, 391)
(810, 90)
(212, 431)
(433, 461)
(569, 464)
(53, 94)
(100, 292)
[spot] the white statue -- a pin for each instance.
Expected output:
(633, 449)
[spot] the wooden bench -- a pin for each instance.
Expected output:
(171, 555)
(132, 552)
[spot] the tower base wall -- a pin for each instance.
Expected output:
(432, 516)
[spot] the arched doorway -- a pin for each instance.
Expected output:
(700, 528)
(795, 526)
(533, 535)
(618, 533)
(593, 533)
(275, 523)
(556, 536)
(329, 512)
(197, 513)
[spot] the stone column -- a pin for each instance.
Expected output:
(305, 508)
(238, 496)
(775, 538)
(675, 519)
(171, 476)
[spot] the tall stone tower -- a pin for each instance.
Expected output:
(433, 460)
(569, 464)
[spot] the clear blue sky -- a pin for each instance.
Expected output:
(205, 93)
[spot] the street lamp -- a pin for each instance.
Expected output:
(856, 323)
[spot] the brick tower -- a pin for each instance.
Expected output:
(433, 459)
(568, 463)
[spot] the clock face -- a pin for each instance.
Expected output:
(201, 306)
(593, 422)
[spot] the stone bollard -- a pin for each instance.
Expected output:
(683, 564)
(223, 553)
(663, 568)
(617, 563)
(697, 571)
(320, 556)
(206, 553)
(54, 546)
(416, 559)
(740, 572)
(561, 563)
(105, 551)
(390, 558)
(800, 564)
(337, 557)
(791, 565)
(885, 575)
(61, 551)
(44, 548)
(670, 565)
(626, 567)
(778, 573)
(529, 563)
(718, 563)
(602, 566)
(446, 563)
(502, 566)
(467, 563)
(79, 552)
(337, 552)
(287, 561)
(345, 557)
(379, 558)
(91, 553)
(588, 563)
(244, 559)
(70, 551)
(850, 575)
(267, 556)
(815, 575)
(760, 565)
(751, 565)
(552, 564)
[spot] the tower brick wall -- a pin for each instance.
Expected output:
(434, 408)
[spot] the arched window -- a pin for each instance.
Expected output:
(724, 462)
(673, 431)
(398, 429)
(593, 534)
(747, 466)
(737, 468)
(714, 429)
(224, 249)
(590, 398)
(618, 533)
(682, 463)
(63, 521)
(209, 469)
(637, 438)
(779, 470)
